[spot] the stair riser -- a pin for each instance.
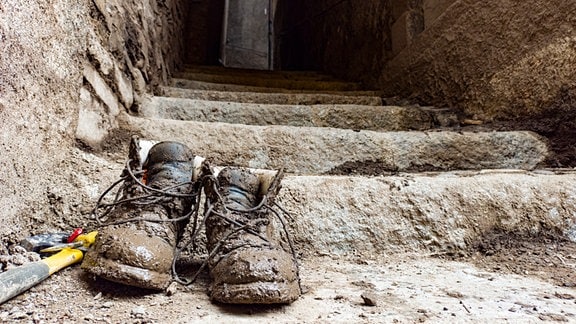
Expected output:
(338, 116)
(308, 150)
(249, 80)
(271, 98)
(200, 85)
(262, 74)
(378, 216)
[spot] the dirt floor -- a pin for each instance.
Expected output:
(396, 289)
(547, 258)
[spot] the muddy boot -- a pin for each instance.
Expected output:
(252, 259)
(141, 227)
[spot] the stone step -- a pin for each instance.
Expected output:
(262, 74)
(315, 150)
(443, 212)
(379, 118)
(271, 98)
(264, 87)
(276, 82)
(411, 212)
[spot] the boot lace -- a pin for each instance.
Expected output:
(147, 196)
(249, 225)
(150, 196)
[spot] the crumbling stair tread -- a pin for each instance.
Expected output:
(348, 116)
(319, 150)
(191, 70)
(320, 83)
(270, 98)
(202, 85)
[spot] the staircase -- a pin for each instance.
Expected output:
(367, 183)
(361, 176)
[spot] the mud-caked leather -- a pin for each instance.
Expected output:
(253, 263)
(140, 253)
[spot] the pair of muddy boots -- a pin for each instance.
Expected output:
(250, 261)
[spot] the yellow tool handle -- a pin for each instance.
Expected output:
(63, 259)
(17, 280)
(87, 239)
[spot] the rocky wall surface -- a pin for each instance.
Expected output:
(493, 59)
(131, 47)
(67, 68)
(407, 19)
(40, 77)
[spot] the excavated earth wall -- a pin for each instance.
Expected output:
(67, 68)
(496, 59)
(492, 59)
(40, 79)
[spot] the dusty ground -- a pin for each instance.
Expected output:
(405, 289)
(545, 257)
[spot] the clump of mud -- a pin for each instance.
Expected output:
(547, 256)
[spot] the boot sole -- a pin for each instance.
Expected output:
(125, 274)
(256, 293)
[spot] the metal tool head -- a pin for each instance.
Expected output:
(54, 242)
(42, 241)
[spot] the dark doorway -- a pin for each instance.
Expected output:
(247, 34)
(203, 30)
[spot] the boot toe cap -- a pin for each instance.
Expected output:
(130, 257)
(255, 276)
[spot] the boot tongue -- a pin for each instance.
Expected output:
(168, 152)
(239, 188)
(168, 163)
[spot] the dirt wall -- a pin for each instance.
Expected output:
(347, 38)
(132, 46)
(493, 59)
(40, 78)
(66, 69)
